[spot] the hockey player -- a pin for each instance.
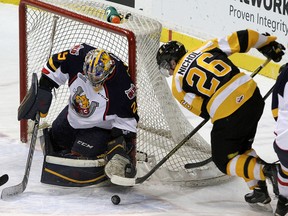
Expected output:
(209, 85)
(280, 113)
(101, 115)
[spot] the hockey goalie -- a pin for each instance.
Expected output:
(94, 136)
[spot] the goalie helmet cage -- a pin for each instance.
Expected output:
(50, 26)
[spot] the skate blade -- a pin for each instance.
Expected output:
(261, 207)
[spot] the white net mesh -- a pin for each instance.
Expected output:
(162, 125)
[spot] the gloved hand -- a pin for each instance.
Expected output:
(273, 50)
(32, 103)
(43, 101)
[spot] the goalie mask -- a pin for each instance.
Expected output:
(173, 50)
(97, 66)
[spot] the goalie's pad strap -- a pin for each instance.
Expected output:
(75, 162)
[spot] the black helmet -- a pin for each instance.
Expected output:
(170, 50)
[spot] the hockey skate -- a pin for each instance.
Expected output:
(270, 172)
(282, 206)
(259, 198)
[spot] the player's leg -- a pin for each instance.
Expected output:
(282, 204)
(62, 134)
(233, 136)
(91, 142)
(95, 142)
(82, 163)
(231, 148)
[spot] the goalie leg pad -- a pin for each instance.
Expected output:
(72, 172)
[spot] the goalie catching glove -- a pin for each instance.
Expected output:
(273, 50)
(119, 163)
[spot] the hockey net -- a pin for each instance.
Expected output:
(50, 26)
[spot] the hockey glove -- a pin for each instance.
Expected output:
(118, 162)
(36, 99)
(273, 50)
(44, 100)
(42, 104)
(130, 140)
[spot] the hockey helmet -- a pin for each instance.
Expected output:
(172, 50)
(97, 66)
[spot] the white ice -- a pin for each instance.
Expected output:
(145, 199)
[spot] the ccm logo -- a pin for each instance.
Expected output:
(84, 144)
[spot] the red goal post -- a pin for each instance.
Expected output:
(51, 26)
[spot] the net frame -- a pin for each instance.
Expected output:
(155, 136)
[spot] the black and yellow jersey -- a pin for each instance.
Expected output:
(208, 84)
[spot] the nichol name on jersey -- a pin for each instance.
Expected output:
(187, 62)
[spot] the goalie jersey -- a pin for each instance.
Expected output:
(208, 84)
(112, 106)
(280, 108)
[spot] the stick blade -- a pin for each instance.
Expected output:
(118, 180)
(12, 191)
(198, 164)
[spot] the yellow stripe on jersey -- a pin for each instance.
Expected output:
(232, 44)
(52, 64)
(231, 96)
(190, 101)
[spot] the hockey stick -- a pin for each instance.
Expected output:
(133, 181)
(19, 188)
(3, 179)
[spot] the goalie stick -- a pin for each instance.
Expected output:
(23, 112)
(3, 179)
(118, 180)
(19, 188)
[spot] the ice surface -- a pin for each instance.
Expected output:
(146, 199)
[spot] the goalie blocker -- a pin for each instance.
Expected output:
(37, 99)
